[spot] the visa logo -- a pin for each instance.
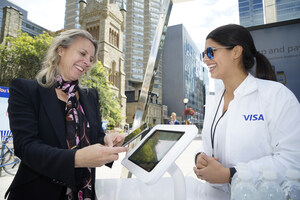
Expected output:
(254, 117)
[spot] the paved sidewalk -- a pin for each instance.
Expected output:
(185, 162)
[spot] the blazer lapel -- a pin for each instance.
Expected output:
(89, 110)
(53, 110)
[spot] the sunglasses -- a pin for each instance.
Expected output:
(210, 51)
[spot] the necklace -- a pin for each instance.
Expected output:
(213, 128)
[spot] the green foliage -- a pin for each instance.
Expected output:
(22, 56)
(109, 104)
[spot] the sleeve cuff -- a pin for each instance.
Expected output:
(232, 172)
(196, 156)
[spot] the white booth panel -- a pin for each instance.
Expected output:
(135, 189)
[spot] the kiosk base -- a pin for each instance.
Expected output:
(134, 189)
(178, 182)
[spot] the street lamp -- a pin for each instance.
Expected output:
(185, 101)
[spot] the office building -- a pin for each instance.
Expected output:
(258, 12)
(72, 14)
(26, 25)
(141, 21)
(183, 75)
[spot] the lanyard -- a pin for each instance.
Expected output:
(213, 128)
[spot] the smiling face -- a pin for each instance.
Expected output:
(221, 64)
(76, 59)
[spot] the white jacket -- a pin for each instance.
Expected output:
(263, 129)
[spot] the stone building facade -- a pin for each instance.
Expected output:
(11, 22)
(105, 21)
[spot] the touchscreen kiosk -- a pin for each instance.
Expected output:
(158, 150)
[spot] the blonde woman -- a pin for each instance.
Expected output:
(56, 125)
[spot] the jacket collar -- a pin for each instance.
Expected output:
(53, 109)
(248, 86)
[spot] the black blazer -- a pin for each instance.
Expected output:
(37, 122)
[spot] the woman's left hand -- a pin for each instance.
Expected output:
(214, 172)
(114, 139)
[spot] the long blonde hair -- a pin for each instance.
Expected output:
(46, 76)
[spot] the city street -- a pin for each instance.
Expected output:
(185, 162)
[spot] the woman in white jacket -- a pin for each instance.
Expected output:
(253, 123)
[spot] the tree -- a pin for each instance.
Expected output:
(22, 56)
(109, 104)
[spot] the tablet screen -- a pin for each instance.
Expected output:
(154, 148)
(134, 134)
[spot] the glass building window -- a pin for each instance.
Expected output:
(137, 4)
(154, 15)
(136, 76)
(136, 9)
(138, 16)
(154, 9)
(138, 58)
(137, 33)
(139, 28)
(137, 64)
(287, 10)
(140, 22)
(138, 52)
(138, 39)
(141, 46)
(154, 4)
(137, 71)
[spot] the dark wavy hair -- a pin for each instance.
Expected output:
(232, 35)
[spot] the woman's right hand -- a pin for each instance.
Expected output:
(200, 162)
(97, 155)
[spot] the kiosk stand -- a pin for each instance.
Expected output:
(179, 182)
(156, 154)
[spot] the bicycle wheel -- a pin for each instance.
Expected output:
(11, 163)
(7, 156)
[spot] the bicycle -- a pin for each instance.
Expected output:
(8, 161)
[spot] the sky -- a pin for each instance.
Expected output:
(198, 16)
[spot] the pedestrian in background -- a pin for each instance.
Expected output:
(173, 120)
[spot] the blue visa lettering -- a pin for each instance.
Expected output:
(246, 117)
(261, 117)
(254, 117)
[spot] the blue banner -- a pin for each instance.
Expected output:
(4, 121)
(4, 92)
(5, 133)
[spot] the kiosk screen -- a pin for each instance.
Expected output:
(154, 148)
